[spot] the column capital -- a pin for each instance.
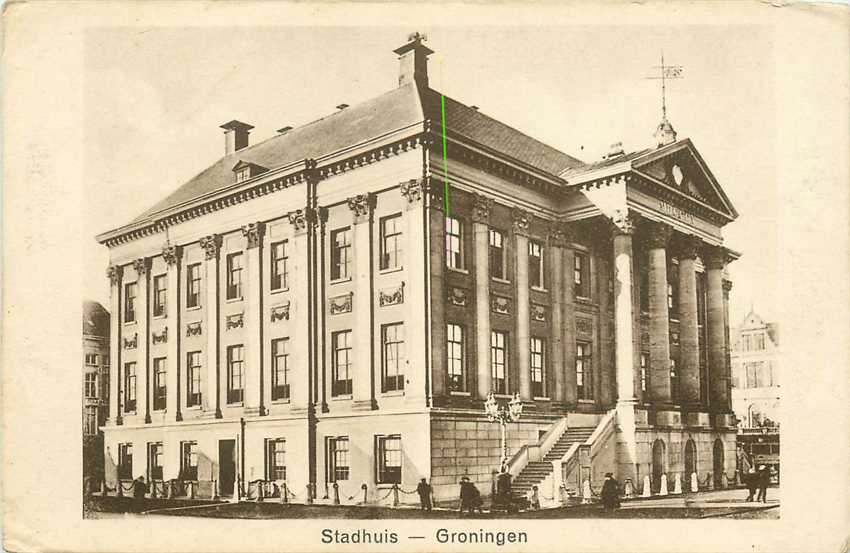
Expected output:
(727, 287)
(557, 235)
(298, 219)
(623, 221)
(714, 257)
(412, 190)
(322, 215)
(657, 234)
(115, 273)
(361, 206)
(211, 245)
(142, 265)
(688, 246)
(172, 254)
(521, 221)
(481, 207)
(254, 233)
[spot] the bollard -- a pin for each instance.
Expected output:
(586, 494)
(191, 490)
(326, 491)
(284, 493)
(309, 495)
(663, 490)
(215, 489)
(677, 484)
(724, 481)
(709, 484)
(103, 492)
(261, 491)
(694, 482)
(119, 489)
(365, 490)
(153, 489)
(336, 493)
(629, 491)
(647, 491)
(395, 495)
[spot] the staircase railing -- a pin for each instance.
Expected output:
(536, 452)
(587, 450)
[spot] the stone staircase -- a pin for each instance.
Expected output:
(536, 471)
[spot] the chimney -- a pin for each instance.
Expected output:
(235, 136)
(284, 130)
(342, 107)
(615, 150)
(413, 61)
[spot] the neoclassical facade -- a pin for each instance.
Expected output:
(334, 305)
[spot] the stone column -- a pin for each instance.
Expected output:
(173, 258)
(568, 330)
(116, 282)
(557, 241)
(211, 396)
(143, 266)
(414, 293)
(605, 376)
(433, 194)
(299, 391)
(522, 224)
(253, 233)
(688, 322)
(365, 377)
(727, 361)
(659, 325)
(623, 317)
(481, 247)
(715, 261)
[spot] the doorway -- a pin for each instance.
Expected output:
(690, 463)
(226, 466)
(657, 465)
(718, 464)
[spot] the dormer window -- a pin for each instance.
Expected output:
(244, 171)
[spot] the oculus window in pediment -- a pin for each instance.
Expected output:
(681, 171)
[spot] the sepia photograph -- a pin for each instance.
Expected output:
(565, 277)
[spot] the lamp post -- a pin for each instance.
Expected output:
(503, 415)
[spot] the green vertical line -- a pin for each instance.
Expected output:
(445, 155)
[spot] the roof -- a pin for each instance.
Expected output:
(394, 110)
(95, 319)
(602, 164)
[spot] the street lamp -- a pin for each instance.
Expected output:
(504, 415)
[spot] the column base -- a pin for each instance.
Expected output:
(119, 421)
(364, 405)
(178, 417)
(211, 414)
(148, 419)
(254, 411)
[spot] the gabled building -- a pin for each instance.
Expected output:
(755, 378)
(95, 395)
(334, 305)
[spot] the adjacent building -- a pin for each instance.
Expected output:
(96, 321)
(335, 304)
(755, 381)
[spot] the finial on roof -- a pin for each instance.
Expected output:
(664, 133)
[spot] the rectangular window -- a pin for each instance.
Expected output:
(243, 174)
(394, 356)
(535, 265)
(130, 302)
(234, 374)
(581, 275)
(644, 371)
(391, 247)
(454, 243)
(193, 378)
(499, 361)
(340, 253)
(188, 460)
(759, 341)
(280, 266)
(674, 380)
(341, 377)
(193, 285)
(280, 368)
(538, 361)
(497, 254)
(160, 296)
(159, 379)
(130, 387)
(155, 461)
(584, 380)
(91, 385)
(91, 359)
(104, 387)
(338, 463)
(455, 351)
(388, 454)
(752, 380)
(276, 459)
(90, 421)
(234, 276)
(125, 461)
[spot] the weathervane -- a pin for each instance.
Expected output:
(667, 72)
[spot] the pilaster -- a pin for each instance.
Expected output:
(481, 245)
(143, 384)
(253, 233)
(433, 196)
(365, 377)
(557, 241)
(414, 293)
(173, 257)
(211, 396)
(299, 393)
(521, 227)
(115, 273)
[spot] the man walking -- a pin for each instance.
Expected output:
(751, 480)
(610, 493)
(424, 491)
(763, 483)
(470, 497)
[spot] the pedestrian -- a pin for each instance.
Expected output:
(470, 497)
(763, 483)
(424, 491)
(139, 487)
(751, 480)
(610, 492)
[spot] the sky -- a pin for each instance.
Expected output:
(154, 99)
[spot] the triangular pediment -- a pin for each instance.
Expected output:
(680, 167)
